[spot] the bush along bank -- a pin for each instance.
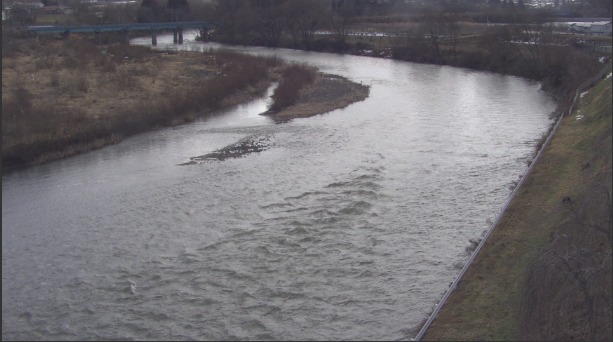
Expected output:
(533, 50)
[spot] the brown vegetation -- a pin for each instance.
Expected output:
(456, 34)
(293, 79)
(62, 97)
(65, 97)
(303, 92)
(326, 92)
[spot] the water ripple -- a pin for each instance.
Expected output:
(347, 225)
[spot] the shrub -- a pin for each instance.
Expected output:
(19, 103)
(76, 83)
(293, 79)
(129, 52)
(104, 63)
(54, 80)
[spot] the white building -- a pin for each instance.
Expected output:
(596, 28)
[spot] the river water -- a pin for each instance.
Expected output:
(348, 225)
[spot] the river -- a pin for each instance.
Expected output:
(347, 225)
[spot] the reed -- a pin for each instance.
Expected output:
(293, 79)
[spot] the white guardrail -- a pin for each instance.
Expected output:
(439, 305)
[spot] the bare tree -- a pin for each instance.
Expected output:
(271, 21)
(531, 42)
(499, 43)
(151, 10)
(601, 222)
(568, 293)
(304, 18)
(234, 18)
(453, 33)
(340, 23)
(439, 29)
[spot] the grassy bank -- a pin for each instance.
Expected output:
(545, 271)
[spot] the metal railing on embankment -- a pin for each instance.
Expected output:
(585, 85)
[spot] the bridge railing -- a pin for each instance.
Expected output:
(177, 25)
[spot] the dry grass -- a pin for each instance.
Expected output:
(568, 293)
(63, 97)
(513, 291)
(293, 79)
(324, 94)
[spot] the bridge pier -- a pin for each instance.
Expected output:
(125, 35)
(123, 30)
(177, 35)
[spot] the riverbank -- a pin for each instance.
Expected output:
(62, 98)
(326, 93)
(527, 282)
(509, 244)
(531, 270)
(545, 271)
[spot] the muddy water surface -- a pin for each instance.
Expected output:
(347, 225)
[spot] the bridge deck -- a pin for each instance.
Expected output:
(179, 25)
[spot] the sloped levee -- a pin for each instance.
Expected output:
(549, 251)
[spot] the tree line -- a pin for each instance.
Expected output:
(528, 45)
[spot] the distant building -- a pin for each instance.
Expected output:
(20, 9)
(56, 9)
(29, 5)
(595, 28)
